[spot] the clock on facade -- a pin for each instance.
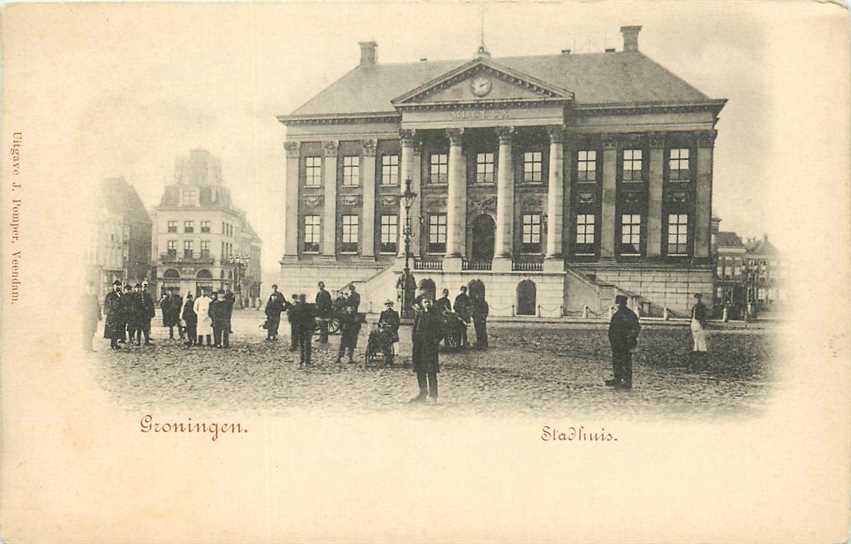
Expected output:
(481, 85)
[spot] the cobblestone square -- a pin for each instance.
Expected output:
(535, 369)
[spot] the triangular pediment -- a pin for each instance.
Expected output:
(482, 80)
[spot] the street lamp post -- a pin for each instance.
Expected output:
(237, 262)
(408, 282)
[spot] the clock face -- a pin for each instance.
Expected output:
(481, 85)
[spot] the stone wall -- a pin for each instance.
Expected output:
(671, 288)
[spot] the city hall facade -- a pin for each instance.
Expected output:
(553, 182)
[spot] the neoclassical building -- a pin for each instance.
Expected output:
(557, 181)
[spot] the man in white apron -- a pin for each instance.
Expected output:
(698, 325)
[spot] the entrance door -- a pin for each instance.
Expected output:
(483, 238)
(526, 297)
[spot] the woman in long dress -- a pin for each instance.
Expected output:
(698, 326)
(205, 322)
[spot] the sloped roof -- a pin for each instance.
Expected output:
(728, 240)
(120, 198)
(625, 77)
(761, 247)
(171, 196)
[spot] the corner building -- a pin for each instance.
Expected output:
(553, 182)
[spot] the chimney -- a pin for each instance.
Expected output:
(630, 37)
(368, 53)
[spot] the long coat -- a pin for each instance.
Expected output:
(113, 308)
(189, 314)
(133, 309)
(202, 310)
(171, 306)
(148, 306)
(623, 330)
(390, 318)
(463, 307)
(426, 341)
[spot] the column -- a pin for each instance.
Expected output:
(406, 157)
(293, 151)
(367, 176)
(607, 219)
(654, 196)
(416, 186)
(703, 195)
(456, 200)
(504, 202)
(329, 221)
(555, 201)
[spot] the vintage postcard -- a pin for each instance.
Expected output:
(425, 272)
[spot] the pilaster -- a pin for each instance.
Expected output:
(608, 219)
(329, 223)
(368, 210)
(291, 198)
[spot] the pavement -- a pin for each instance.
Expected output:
(538, 369)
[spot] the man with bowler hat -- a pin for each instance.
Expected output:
(623, 338)
(113, 308)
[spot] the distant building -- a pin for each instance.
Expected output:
(729, 255)
(201, 238)
(120, 248)
(765, 273)
(556, 181)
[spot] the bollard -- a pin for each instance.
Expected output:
(724, 314)
(539, 311)
(665, 313)
(585, 310)
(512, 311)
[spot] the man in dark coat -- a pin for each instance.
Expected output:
(128, 326)
(480, 311)
(218, 313)
(623, 338)
(274, 307)
(171, 306)
(353, 298)
(91, 315)
(464, 309)
(289, 306)
(190, 318)
(113, 308)
(132, 310)
(427, 337)
(349, 329)
(304, 318)
(323, 311)
(389, 322)
(443, 304)
(230, 300)
(148, 313)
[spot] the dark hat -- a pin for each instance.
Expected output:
(620, 299)
(698, 295)
(128, 287)
(116, 282)
(274, 286)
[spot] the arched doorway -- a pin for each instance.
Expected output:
(171, 279)
(203, 280)
(483, 238)
(526, 297)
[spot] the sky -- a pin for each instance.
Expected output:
(129, 88)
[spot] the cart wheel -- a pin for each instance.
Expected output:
(333, 325)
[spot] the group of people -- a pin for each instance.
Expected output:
(468, 307)
(129, 311)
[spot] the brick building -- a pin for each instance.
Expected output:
(120, 244)
(201, 238)
(557, 181)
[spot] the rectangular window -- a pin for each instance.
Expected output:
(585, 234)
(351, 171)
(205, 248)
(350, 234)
(390, 170)
(630, 234)
(172, 247)
(484, 168)
(389, 234)
(190, 197)
(187, 248)
(438, 171)
(437, 233)
(531, 235)
(312, 171)
(205, 226)
(189, 226)
(172, 226)
(678, 165)
(311, 234)
(533, 167)
(632, 164)
(586, 165)
(678, 234)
